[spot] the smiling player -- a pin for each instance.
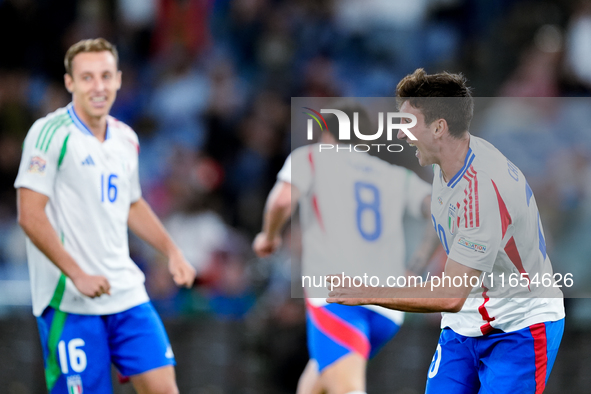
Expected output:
(78, 192)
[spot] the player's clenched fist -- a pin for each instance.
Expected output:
(92, 285)
(182, 272)
(263, 246)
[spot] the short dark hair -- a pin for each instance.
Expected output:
(349, 107)
(439, 96)
(91, 45)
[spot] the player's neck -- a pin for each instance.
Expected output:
(453, 155)
(96, 125)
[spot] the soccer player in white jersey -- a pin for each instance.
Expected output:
(499, 335)
(78, 192)
(351, 209)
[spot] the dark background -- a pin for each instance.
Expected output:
(207, 87)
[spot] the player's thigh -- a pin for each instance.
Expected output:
(454, 368)
(155, 381)
(338, 342)
(520, 361)
(344, 376)
(75, 352)
(336, 330)
(138, 341)
(309, 382)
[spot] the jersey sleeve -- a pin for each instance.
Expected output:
(479, 231)
(40, 158)
(297, 169)
(285, 173)
(135, 189)
(416, 190)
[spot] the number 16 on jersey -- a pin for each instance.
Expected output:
(108, 187)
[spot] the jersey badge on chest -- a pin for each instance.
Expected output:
(452, 217)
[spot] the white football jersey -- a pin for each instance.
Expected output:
(351, 210)
(90, 186)
(487, 219)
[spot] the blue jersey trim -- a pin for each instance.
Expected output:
(80, 124)
(467, 162)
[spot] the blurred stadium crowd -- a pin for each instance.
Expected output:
(207, 87)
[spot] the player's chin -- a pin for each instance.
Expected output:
(420, 159)
(423, 162)
(101, 109)
(97, 113)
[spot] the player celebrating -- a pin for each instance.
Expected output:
(78, 191)
(351, 208)
(496, 337)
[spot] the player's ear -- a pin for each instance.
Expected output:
(439, 127)
(118, 76)
(69, 82)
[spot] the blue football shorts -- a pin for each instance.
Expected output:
(336, 330)
(78, 349)
(517, 362)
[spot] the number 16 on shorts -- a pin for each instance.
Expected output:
(74, 357)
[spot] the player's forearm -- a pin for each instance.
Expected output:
(417, 299)
(147, 226)
(425, 303)
(277, 210)
(441, 296)
(274, 220)
(40, 231)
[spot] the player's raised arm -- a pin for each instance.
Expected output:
(278, 210)
(442, 296)
(33, 220)
(145, 224)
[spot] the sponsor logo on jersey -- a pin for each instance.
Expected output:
(169, 353)
(37, 165)
(480, 248)
(88, 161)
(440, 200)
(74, 384)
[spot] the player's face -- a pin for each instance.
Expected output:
(94, 83)
(425, 143)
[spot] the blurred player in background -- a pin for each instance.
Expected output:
(351, 208)
(498, 336)
(78, 192)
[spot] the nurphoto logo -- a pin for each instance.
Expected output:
(344, 133)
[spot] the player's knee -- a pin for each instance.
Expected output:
(152, 386)
(343, 385)
(170, 389)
